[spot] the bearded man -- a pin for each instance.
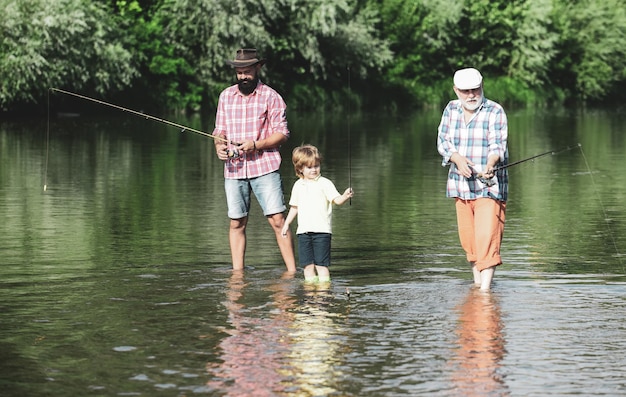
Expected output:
(472, 139)
(251, 117)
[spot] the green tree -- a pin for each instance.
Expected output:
(533, 51)
(74, 44)
(164, 76)
(420, 34)
(534, 44)
(591, 47)
(171, 53)
(309, 43)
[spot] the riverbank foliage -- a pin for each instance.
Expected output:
(333, 54)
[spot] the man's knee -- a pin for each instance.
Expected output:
(236, 224)
(276, 220)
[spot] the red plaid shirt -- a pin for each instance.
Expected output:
(255, 117)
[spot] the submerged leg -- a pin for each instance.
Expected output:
(323, 273)
(309, 273)
(476, 273)
(486, 276)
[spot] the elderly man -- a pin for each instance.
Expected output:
(472, 139)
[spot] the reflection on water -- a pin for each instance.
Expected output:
(252, 355)
(117, 281)
(318, 347)
(481, 347)
(292, 345)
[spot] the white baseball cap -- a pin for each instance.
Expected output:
(467, 79)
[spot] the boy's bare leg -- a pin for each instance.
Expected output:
(309, 272)
(323, 273)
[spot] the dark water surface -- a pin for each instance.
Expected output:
(116, 279)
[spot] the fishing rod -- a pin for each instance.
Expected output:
(490, 182)
(144, 115)
(232, 153)
(552, 152)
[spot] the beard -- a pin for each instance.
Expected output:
(473, 103)
(247, 86)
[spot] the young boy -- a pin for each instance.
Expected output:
(312, 199)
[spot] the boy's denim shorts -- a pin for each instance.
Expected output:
(268, 189)
(314, 248)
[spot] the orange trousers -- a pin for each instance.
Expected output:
(481, 226)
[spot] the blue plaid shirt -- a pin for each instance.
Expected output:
(485, 135)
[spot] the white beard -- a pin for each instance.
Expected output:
(472, 104)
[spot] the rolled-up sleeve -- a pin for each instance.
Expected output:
(445, 146)
(220, 116)
(498, 134)
(278, 115)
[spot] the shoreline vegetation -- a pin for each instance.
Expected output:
(168, 56)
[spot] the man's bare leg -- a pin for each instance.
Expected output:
(486, 275)
(476, 273)
(237, 239)
(285, 243)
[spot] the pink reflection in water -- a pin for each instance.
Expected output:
(252, 356)
(480, 347)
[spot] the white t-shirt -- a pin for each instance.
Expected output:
(314, 199)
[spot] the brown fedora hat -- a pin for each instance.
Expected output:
(245, 57)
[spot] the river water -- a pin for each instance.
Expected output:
(116, 278)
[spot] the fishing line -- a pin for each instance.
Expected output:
(606, 218)
(141, 114)
(489, 182)
(231, 153)
(45, 168)
(349, 135)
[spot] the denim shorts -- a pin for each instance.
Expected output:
(268, 189)
(314, 248)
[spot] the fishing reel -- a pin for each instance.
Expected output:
(483, 179)
(233, 153)
(487, 182)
